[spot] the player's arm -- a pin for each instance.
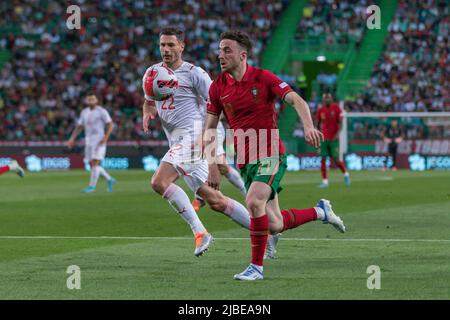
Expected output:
(148, 112)
(74, 135)
(109, 129)
(214, 109)
(209, 149)
(312, 135)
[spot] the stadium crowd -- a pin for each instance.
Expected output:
(52, 67)
(413, 74)
(338, 22)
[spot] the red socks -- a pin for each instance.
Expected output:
(341, 166)
(259, 232)
(4, 169)
(293, 218)
(323, 168)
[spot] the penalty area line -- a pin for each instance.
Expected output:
(218, 238)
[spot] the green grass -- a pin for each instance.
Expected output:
(147, 252)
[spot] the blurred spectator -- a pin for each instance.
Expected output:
(338, 22)
(413, 74)
(51, 67)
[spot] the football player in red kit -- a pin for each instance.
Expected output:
(247, 95)
(329, 121)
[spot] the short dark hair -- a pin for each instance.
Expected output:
(173, 31)
(240, 37)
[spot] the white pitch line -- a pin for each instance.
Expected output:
(232, 239)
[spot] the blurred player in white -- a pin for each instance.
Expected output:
(224, 168)
(94, 119)
(182, 117)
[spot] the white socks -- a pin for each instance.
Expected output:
(238, 213)
(179, 200)
(95, 172)
(103, 172)
(320, 213)
(235, 179)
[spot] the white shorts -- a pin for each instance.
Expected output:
(94, 152)
(194, 173)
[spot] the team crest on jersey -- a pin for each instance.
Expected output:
(254, 92)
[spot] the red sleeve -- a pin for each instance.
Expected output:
(214, 106)
(277, 86)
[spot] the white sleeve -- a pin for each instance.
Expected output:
(201, 82)
(106, 117)
(80, 121)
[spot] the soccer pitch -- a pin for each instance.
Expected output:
(130, 244)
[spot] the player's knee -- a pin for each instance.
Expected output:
(158, 186)
(254, 205)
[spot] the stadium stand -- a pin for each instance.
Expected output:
(413, 73)
(47, 67)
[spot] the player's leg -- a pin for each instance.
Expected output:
(323, 163)
(232, 175)
(13, 167)
(221, 203)
(339, 163)
(99, 154)
(393, 153)
(257, 197)
(163, 182)
(94, 164)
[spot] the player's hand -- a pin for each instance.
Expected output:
(103, 141)
(214, 177)
(387, 140)
(149, 114)
(70, 143)
(398, 140)
(313, 137)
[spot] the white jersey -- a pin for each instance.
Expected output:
(184, 113)
(94, 122)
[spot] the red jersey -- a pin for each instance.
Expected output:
(329, 118)
(250, 104)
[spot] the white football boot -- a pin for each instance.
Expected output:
(252, 273)
(330, 216)
(271, 248)
(15, 167)
(202, 243)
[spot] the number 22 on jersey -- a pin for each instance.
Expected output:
(168, 104)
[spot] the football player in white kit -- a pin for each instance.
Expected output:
(94, 119)
(182, 117)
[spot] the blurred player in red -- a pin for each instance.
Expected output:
(13, 167)
(247, 95)
(329, 121)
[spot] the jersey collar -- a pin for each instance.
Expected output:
(245, 78)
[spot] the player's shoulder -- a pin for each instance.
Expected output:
(195, 70)
(102, 109)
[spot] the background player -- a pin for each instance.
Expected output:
(13, 166)
(182, 117)
(94, 119)
(244, 93)
(393, 136)
(329, 121)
